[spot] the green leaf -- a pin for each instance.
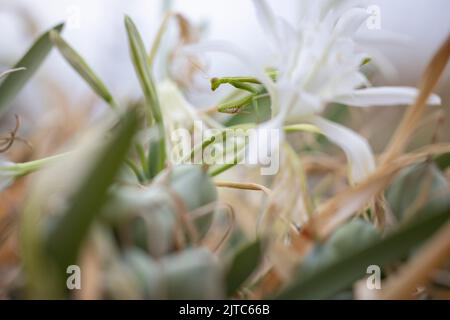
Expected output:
(143, 72)
(443, 161)
(147, 272)
(349, 238)
(156, 158)
(31, 61)
(337, 112)
(326, 281)
(140, 61)
(414, 187)
(192, 274)
(244, 263)
(68, 231)
(5, 73)
(183, 178)
(80, 66)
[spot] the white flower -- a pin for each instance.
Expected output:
(318, 61)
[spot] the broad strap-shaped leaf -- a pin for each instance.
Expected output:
(68, 232)
(82, 68)
(156, 158)
(244, 263)
(31, 61)
(326, 281)
(143, 72)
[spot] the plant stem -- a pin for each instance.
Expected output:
(24, 168)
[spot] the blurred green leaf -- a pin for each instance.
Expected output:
(5, 73)
(237, 239)
(192, 274)
(80, 66)
(68, 231)
(337, 112)
(414, 187)
(244, 263)
(327, 280)
(183, 178)
(349, 238)
(157, 155)
(31, 61)
(443, 161)
(147, 273)
(156, 158)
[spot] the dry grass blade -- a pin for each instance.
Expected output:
(91, 277)
(420, 269)
(410, 120)
(243, 186)
(344, 205)
(82, 68)
(7, 142)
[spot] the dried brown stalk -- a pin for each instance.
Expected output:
(343, 206)
(243, 186)
(412, 117)
(420, 269)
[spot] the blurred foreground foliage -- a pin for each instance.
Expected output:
(140, 228)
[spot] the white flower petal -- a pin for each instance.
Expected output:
(288, 37)
(267, 20)
(383, 38)
(264, 141)
(351, 21)
(337, 8)
(358, 151)
(294, 102)
(383, 96)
